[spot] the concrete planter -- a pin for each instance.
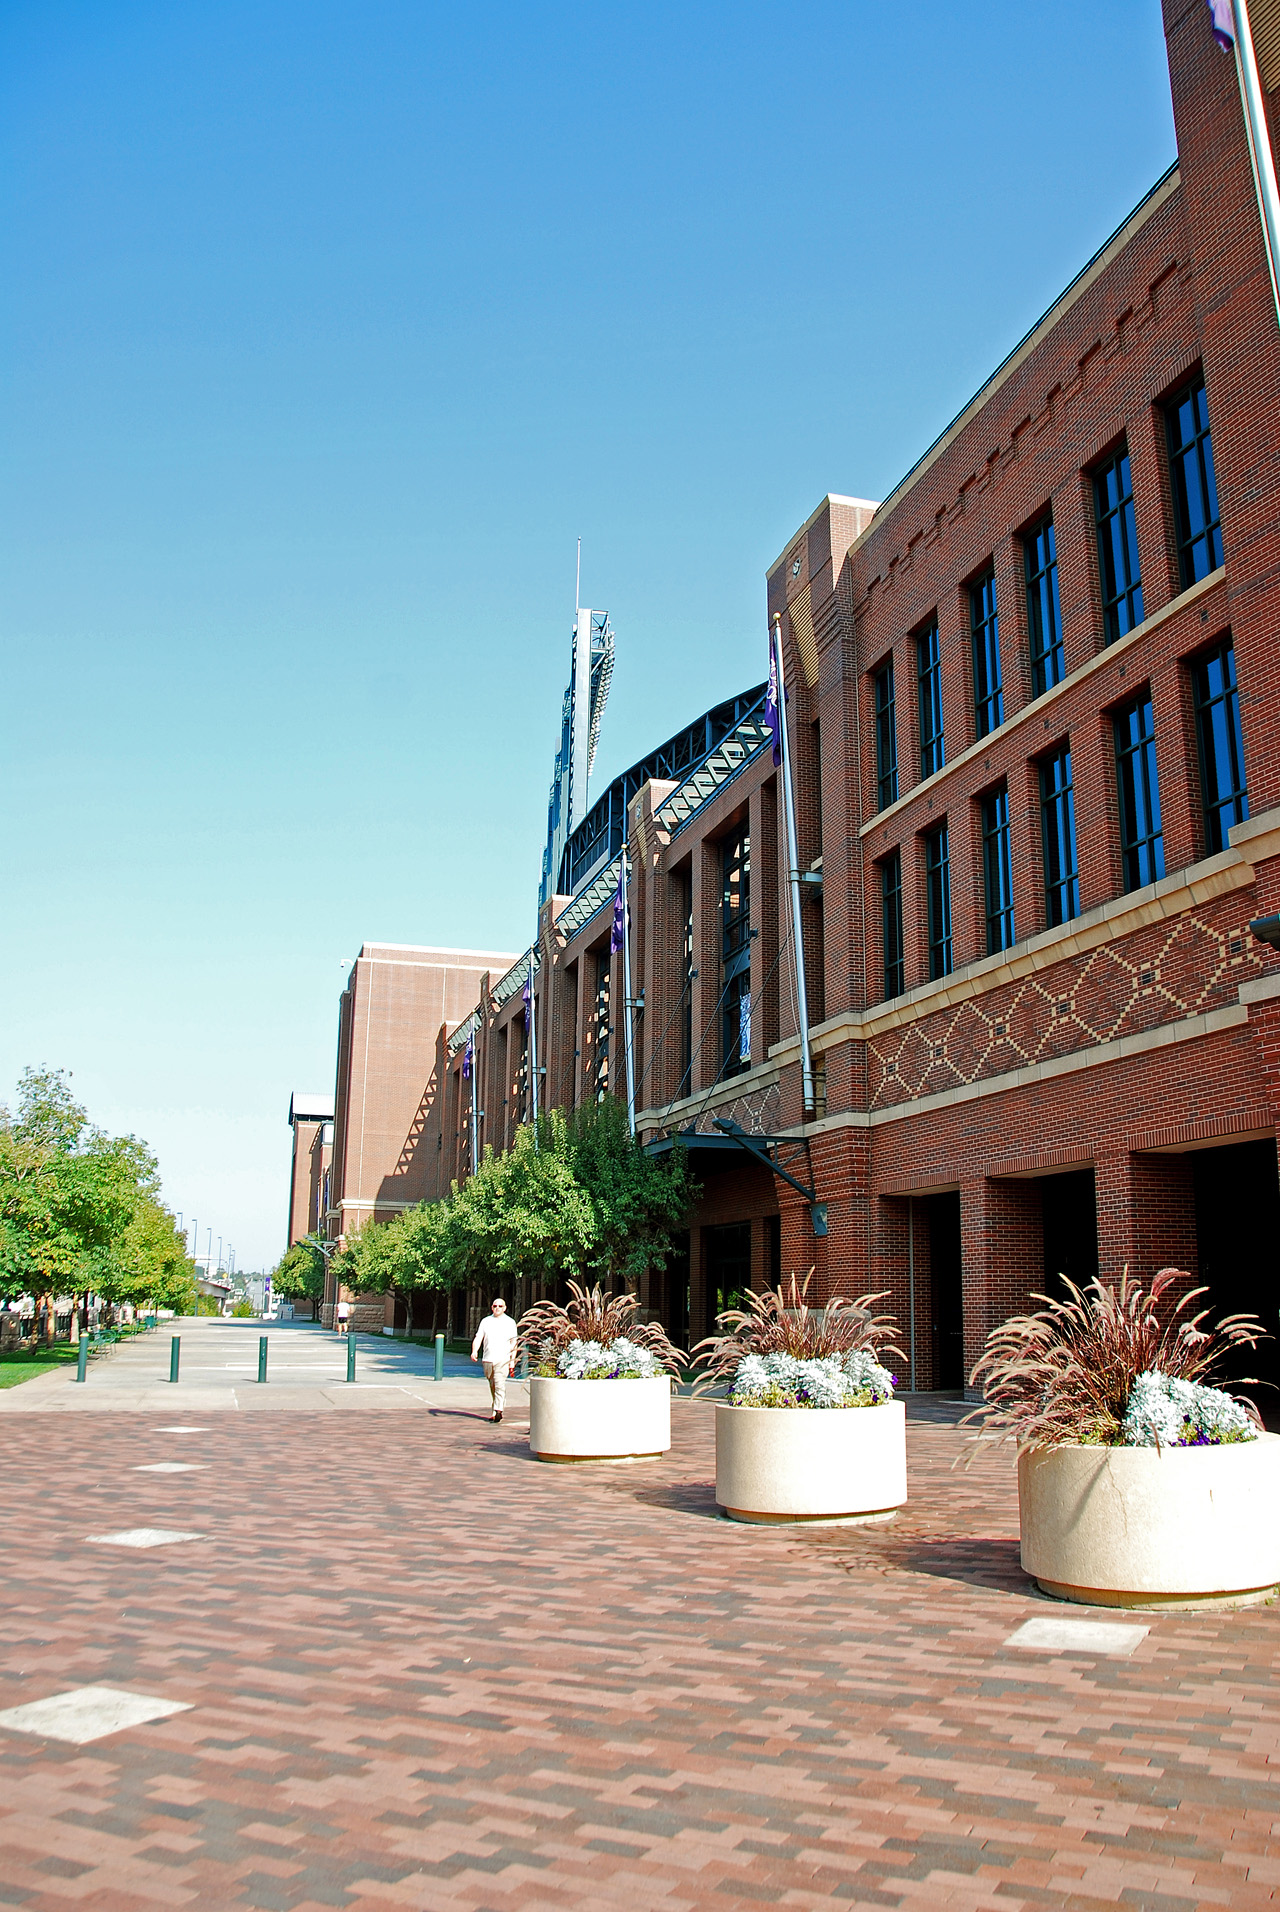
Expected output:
(1148, 1527)
(598, 1420)
(799, 1464)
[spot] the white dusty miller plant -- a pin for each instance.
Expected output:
(621, 1360)
(855, 1379)
(1164, 1411)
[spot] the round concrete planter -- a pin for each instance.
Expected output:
(1153, 1527)
(789, 1464)
(598, 1420)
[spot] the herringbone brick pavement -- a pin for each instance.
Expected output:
(425, 1672)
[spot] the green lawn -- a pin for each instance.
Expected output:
(25, 1365)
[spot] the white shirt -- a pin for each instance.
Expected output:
(496, 1339)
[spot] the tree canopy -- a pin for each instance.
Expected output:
(80, 1209)
(577, 1196)
(299, 1274)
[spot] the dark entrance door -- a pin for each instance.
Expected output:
(1238, 1231)
(1069, 1211)
(674, 1308)
(946, 1304)
(728, 1264)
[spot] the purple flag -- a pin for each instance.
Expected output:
(527, 992)
(772, 721)
(1224, 26)
(619, 914)
(466, 1061)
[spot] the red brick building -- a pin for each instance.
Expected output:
(1034, 729)
(311, 1119)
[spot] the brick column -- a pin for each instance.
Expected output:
(1002, 1257)
(1146, 1215)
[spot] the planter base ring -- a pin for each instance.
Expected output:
(595, 1460)
(1156, 1602)
(808, 1520)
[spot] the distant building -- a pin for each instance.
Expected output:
(392, 1018)
(311, 1119)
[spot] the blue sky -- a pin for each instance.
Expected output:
(326, 331)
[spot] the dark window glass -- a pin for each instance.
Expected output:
(1222, 784)
(988, 696)
(937, 867)
(1057, 809)
(686, 1071)
(933, 752)
(599, 1031)
(1117, 548)
(1195, 491)
(886, 738)
(891, 906)
(735, 920)
(1044, 619)
(1141, 842)
(997, 869)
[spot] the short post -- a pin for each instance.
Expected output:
(174, 1342)
(262, 1357)
(82, 1359)
(351, 1356)
(439, 1357)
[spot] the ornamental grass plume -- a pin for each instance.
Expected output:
(780, 1321)
(590, 1316)
(1067, 1373)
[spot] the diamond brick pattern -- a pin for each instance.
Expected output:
(1159, 974)
(425, 1672)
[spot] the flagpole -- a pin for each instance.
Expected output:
(793, 862)
(627, 1002)
(475, 1118)
(533, 1046)
(1260, 159)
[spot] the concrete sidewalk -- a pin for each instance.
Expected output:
(306, 1370)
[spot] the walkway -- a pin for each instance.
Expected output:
(218, 1370)
(385, 1662)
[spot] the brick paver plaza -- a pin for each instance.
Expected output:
(421, 1670)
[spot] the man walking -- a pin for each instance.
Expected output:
(495, 1347)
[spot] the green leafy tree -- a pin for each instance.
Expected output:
(524, 1212)
(637, 1200)
(299, 1274)
(80, 1210)
(402, 1257)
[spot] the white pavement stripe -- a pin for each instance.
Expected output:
(87, 1713)
(171, 1467)
(184, 1430)
(141, 1537)
(1078, 1636)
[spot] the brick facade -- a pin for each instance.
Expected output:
(1042, 1107)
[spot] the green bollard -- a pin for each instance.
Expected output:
(82, 1359)
(351, 1356)
(173, 1357)
(439, 1357)
(262, 1357)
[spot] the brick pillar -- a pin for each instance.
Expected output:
(889, 1271)
(1001, 1254)
(842, 1256)
(1146, 1215)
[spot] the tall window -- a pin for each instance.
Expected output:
(1222, 785)
(988, 696)
(1141, 842)
(600, 1026)
(933, 753)
(1044, 618)
(997, 869)
(937, 870)
(735, 918)
(689, 972)
(1058, 813)
(1195, 490)
(886, 738)
(891, 913)
(1117, 548)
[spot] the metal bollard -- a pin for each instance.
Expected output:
(262, 1357)
(351, 1356)
(82, 1359)
(439, 1357)
(174, 1341)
